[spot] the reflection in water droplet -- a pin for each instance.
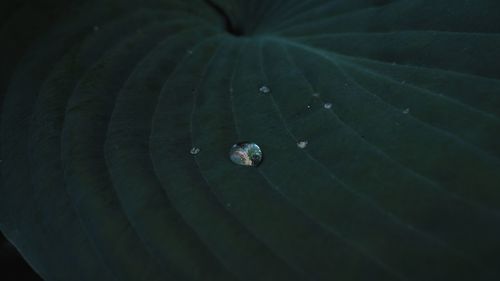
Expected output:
(246, 154)
(302, 144)
(264, 89)
(194, 151)
(406, 111)
(327, 105)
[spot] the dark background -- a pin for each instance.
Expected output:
(12, 265)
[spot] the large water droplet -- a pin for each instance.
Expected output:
(246, 154)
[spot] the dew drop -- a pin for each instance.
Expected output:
(406, 110)
(302, 144)
(264, 89)
(327, 105)
(194, 151)
(246, 154)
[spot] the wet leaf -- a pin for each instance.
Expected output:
(379, 121)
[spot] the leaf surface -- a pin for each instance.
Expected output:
(395, 104)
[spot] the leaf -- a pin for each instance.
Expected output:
(396, 105)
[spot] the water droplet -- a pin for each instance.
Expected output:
(264, 89)
(327, 105)
(246, 154)
(194, 151)
(302, 144)
(316, 95)
(308, 106)
(406, 110)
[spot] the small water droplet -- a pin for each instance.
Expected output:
(194, 151)
(316, 95)
(264, 89)
(308, 106)
(327, 105)
(406, 110)
(246, 154)
(302, 144)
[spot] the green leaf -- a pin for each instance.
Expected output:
(379, 132)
